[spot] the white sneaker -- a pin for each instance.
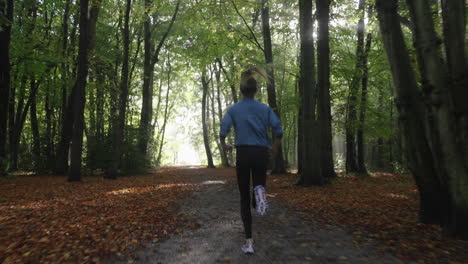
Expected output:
(260, 198)
(247, 248)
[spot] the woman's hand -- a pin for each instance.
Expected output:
(276, 147)
(227, 147)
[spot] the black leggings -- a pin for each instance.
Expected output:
(250, 160)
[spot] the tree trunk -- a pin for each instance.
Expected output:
(362, 109)
(230, 81)
(311, 170)
(66, 116)
(224, 158)
(300, 130)
(100, 101)
(66, 134)
(151, 57)
(454, 22)
(74, 172)
(211, 108)
(323, 79)
(433, 198)
(148, 73)
(50, 127)
(119, 127)
(13, 120)
(351, 120)
(206, 139)
(278, 166)
(448, 144)
(16, 124)
(6, 10)
(17, 120)
(37, 162)
(92, 141)
(166, 107)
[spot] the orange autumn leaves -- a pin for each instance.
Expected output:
(380, 210)
(44, 219)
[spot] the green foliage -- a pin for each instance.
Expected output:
(204, 31)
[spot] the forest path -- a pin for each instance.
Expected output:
(283, 236)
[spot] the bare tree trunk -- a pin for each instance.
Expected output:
(448, 144)
(230, 81)
(300, 130)
(35, 132)
(224, 158)
(13, 121)
(148, 72)
(66, 117)
(454, 22)
(362, 110)
(323, 79)
(119, 127)
(17, 121)
(151, 57)
(351, 120)
(278, 166)
(163, 129)
(50, 127)
(6, 10)
(211, 108)
(311, 171)
(91, 136)
(74, 173)
(206, 140)
(412, 118)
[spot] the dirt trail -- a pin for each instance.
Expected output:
(280, 237)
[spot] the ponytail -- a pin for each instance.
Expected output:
(248, 83)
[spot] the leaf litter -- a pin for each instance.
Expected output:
(45, 219)
(380, 210)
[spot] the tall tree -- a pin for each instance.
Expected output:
(434, 144)
(119, 124)
(412, 117)
(151, 57)
(66, 114)
(234, 91)
(454, 25)
(49, 134)
(17, 118)
(206, 140)
(6, 13)
(363, 108)
(166, 110)
(439, 93)
(278, 166)
(224, 157)
(351, 113)
(36, 146)
(17, 114)
(323, 86)
(92, 134)
(311, 170)
(74, 173)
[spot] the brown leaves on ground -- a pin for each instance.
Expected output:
(45, 219)
(382, 210)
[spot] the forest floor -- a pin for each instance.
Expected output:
(191, 215)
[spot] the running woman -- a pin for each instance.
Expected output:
(251, 120)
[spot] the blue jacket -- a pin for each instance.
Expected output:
(251, 120)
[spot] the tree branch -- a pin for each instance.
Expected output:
(248, 27)
(161, 43)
